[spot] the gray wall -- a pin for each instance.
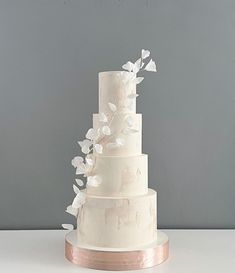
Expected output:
(50, 54)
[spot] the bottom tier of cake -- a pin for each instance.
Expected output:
(118, 222)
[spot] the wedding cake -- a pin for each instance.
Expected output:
(114, 207)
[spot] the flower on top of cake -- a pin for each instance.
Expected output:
(144, 63)
(104, 137)
(140, 65)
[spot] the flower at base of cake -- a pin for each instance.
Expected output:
(67, 226)
(79, 200)
(105, 137)
(72, 210)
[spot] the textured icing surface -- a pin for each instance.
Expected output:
(121, 176)
(132, 141)
(118, 222)
(113, 88)
(119, 209)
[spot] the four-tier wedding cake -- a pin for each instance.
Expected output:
(114, 207)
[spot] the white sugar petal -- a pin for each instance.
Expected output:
(128, 131)
(132, 130)
(133, 96)
(76, 161)
(85, 142)
(106, 130)
(128, 66)
(137, 66)
(79, 200)
(120, 141)
(93, 181)
(112, 107)
(92, 134)
(145, 53)
(67, 226)
(81, 168)
(89, 161)
(139, 80)
(98, 148)
(85, 145)
(76, 189)
(103, 117)
(85, 150)
(130, 121)
(79, 182)
(81, 144)
(72, 211)
(151, 66)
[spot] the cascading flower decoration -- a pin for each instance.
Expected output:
(96, 139)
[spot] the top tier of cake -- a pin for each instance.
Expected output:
(115, 87)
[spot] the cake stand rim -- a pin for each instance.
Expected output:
(117, 260)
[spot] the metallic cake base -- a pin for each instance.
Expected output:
(116, 258)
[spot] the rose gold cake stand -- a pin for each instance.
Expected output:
(116, 258)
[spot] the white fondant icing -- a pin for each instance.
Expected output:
(118, 125)
(121, 176)
(118, 222)
(120, 210)
(114, 88)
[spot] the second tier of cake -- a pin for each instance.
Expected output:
(121, 175)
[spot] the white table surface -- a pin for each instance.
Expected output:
(191, 251)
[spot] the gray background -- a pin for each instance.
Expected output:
(50, 55)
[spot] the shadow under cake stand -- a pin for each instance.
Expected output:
(116, 258)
